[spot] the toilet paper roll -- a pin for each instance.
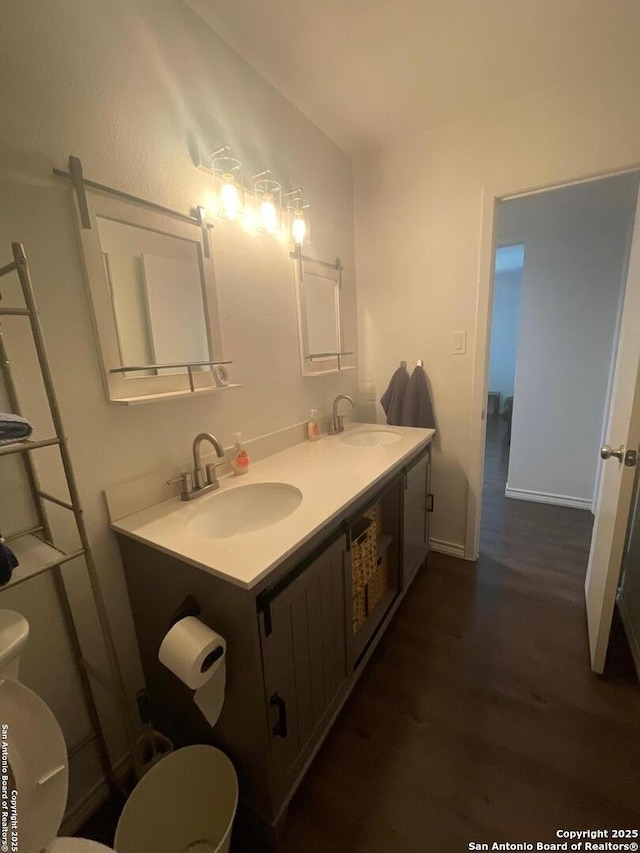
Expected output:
(194, 653)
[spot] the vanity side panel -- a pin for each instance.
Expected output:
(158, 584)
(415, 518)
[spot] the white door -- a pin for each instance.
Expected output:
(616, 482)
(629, 592)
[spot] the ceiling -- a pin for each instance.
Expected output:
(366, 72)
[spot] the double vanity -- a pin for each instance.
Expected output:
(276, 562)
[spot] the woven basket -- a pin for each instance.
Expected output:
(359, 613)
(378, 583)
(364, 552)
(364, 555)
(375, 515)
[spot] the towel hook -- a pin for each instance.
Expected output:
(403, 365)
(419, 363)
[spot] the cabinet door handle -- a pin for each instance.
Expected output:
(280, 728)
(429, 502)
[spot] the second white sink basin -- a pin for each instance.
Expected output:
(371, 437)
(243, 510)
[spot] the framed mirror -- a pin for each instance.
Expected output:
(154, 300)
(318, 288)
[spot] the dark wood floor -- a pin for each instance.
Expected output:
(478, 718)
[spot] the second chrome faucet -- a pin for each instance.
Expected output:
(337, 421)
(204, 478)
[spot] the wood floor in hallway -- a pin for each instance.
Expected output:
(478, 718)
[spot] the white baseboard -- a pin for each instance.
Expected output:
(82, 810)
(548, 498)
(450, 548)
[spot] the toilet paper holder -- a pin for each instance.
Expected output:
(188, 607)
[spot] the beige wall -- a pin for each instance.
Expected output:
(133, 89)
(418, 217)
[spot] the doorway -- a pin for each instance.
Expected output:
(576, 243)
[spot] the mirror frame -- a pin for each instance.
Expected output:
(132, 388)
(331, 272)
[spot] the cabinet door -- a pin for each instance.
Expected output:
(415, 518)
(305, 659)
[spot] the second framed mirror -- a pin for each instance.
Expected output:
(318, 290)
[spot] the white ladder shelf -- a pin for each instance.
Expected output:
(35, 549)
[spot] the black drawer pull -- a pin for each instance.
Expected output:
(280, 728)
(430, 502)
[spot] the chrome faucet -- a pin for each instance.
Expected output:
(203, 479)
(337, 424)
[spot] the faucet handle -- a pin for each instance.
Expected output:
(186, 484)
(212, 475)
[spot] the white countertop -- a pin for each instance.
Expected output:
(329, 473)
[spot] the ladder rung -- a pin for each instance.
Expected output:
(47, 497)
(8, 268)
(30, 531)
(22, 446)
(15, 312)
(74, 750)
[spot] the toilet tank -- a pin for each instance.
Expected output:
(14, 632)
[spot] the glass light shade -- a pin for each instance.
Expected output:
(298, 228)
(268, 215)
(229, 198)
(227, 171)
(268, 202)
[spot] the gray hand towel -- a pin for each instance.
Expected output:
(417, 410)
(14, 428)
(8, 562)
(393, 398)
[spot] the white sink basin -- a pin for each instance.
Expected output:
(371, 437)
(243, 510)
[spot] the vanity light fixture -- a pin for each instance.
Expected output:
(299, 219)
(228, 170)
(268, 202)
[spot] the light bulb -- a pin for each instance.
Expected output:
(299, 228)
(268, 215)
(230, 198)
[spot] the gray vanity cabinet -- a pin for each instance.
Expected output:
(416, 508)
(292, 655)
(303, 638)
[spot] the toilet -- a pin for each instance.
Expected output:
(171, 810)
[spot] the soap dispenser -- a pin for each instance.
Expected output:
(240, 460)
(313, 427)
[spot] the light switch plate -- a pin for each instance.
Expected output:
(458, 343)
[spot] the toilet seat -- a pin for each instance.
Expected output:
(37, 756)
